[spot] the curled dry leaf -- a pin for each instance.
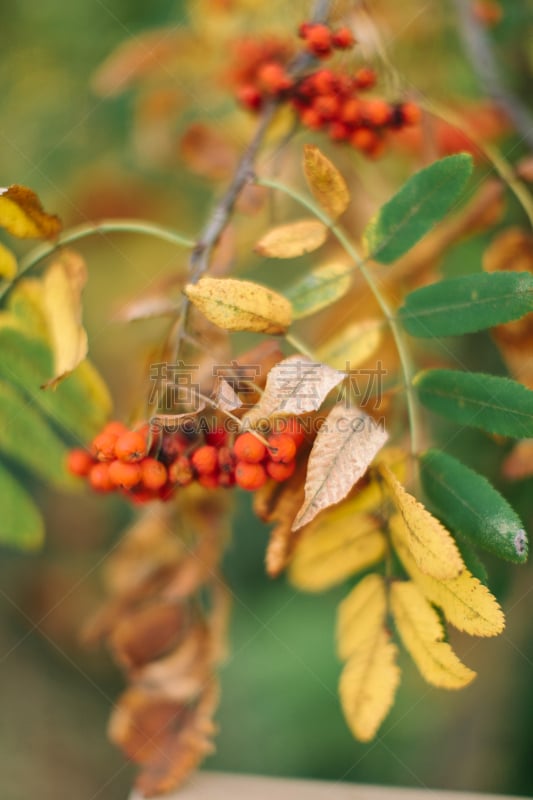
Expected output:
(368, 685)
(423, 635)
(22, 214)
(431, 545)
(8, 264)
(63, 284)
(361, 615)
(345, 446)
(325, 182)
(292, 240)
(240, 305)
(294, 386)
(147, 633)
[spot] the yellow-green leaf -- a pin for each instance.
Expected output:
(319, 288)
(8, 263)
(361, 615)
(422, 633)
(368, 685)
(25, 302)
(466, 602)
(22, 214)
(240, 305)
(292, 240)
(336, 546)
(63, 284)
(353, 345)
(21, 524)
(325, 182)
(431, 545)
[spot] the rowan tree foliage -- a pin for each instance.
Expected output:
(312, 391)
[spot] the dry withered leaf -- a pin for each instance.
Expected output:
(294, 386)
(236, 305)
(345, 446)
(325, 182)
(63, 284)
(22, 214)
(293, 239)
(147, 633)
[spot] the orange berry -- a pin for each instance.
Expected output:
(365, 78)
(327, 106)
(293, 428)
(318, 38)
(125, 475)
(99, 478)
(311, 119)
(280, 472)
(282, 448)
(411, 113)
(103, 446)
(208, 481)
(377, 112)
(323, 81)
(273, 79)
(250, 97)
(141, 496)
(154, 473)
(364, 139)
(79, 462)
(180, 471)
(249, 448)
(131, 446)
(250, 476)
(217, 437)
(205, 460)
(351, 111)
(339, 131)
(343, 39)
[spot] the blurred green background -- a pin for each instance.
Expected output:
(279, 712)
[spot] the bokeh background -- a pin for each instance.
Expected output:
(89, 157)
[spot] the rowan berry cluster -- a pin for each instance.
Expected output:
(330, 100)
(150, 464)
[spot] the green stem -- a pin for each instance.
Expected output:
(300, 346)
(91, 229)
(350, 248)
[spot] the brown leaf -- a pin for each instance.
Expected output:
(207, 152)
(63, 284)
(325, 182)
(294, 386)
(147, 307)
(292, 240)
(342, 452)
(22, 214)
(182, 674)
(147, 633)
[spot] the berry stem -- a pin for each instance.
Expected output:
(98, 229)
(388, 312)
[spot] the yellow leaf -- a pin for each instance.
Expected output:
(8, 264)
(422, 633)
(294, 386)
(293, 239)
(240, 305)
(344, 447)
(335, 547)
(22, 214)
(466, 602)
(25, 302)
(353, 346)
(368, 685)
(320, 288)
(361, 615)
(370, 497)
(431, 545)
(63, 283)
(325, 182)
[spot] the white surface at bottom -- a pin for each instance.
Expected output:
(225, 786)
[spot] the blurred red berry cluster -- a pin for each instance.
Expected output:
(150, 464)
(331, 100)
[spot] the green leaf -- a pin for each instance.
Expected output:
(467, 304)
(422, 202)
(80, 404)
(497, 405)
(26, 437)
(472, 506)
(21, 525)
(319, 288)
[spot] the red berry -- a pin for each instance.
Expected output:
(226, 460)
(99, 478)
(280, 472)
(141, 496)
(292, 427)
(154, 473)
(282, 448)
(351, 111)
(249, 448)
(115, 428)
(250, 97)
(208, 481)
(217, 437)
(376, 112)
(172, 446)
(311, 119)
(103, 446)
(79, 462)
(318, 38)
(339, 131)
(131, 446)
(303, 29)
(226, 479)
(125, 475)
(323, 81)
(273, 79)
(250, 476)
(180, 471)
(343, 39)
(365, 78)
(411, 113)
(364, 139)
(327, 106)
(205, 460)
